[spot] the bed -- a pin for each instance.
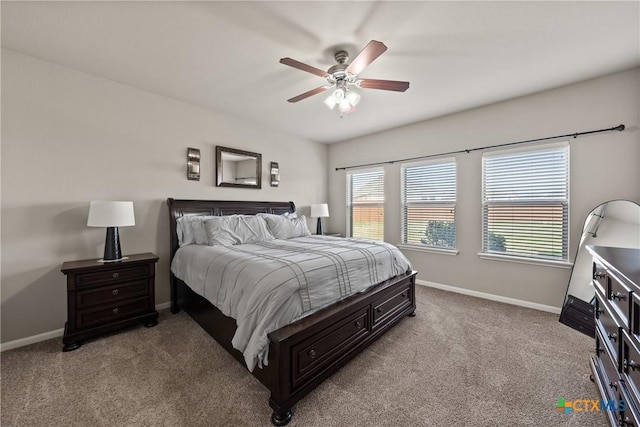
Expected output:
(304, 353)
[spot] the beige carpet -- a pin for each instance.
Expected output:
(461, 361)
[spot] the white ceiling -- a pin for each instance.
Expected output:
(224, 55)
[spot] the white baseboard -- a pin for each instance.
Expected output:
(163, 305)
(51, 334)
(31, 340)
(483, 295)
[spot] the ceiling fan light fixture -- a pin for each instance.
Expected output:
(345, 105)
(331, 101)
(353, 98)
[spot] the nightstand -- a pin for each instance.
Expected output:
(105, 296)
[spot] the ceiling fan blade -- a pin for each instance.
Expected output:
(304, 67)
(366, 56)
(383, 84)
(308, 94)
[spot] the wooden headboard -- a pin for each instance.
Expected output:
(178, 208)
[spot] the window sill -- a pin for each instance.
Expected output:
(428, 249)
(530, 261)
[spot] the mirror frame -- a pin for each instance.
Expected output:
(221, 183)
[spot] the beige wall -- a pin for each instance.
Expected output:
(69, 137)
(603, 167)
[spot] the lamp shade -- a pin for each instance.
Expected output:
(320, 211)
(107, 213)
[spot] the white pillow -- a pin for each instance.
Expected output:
(286, 227)
(236, 230)
(190, 229)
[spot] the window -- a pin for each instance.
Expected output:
(429, 203)
(365, 204)
(526, 203)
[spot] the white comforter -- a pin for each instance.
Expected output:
(267, 285)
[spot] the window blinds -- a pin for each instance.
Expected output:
(526, 203)
(429, 203)
(365, 204)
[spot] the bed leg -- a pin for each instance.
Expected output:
(412, 314)
(281, 419)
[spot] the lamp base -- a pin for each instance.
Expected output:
(112, 250)
(319, 227)
(113, 260)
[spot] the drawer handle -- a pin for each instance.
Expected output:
(357, 324)
(312, 354)
(114, 292)
(614, 385)
(115, 311)
(403, 295)
(599, 350)
(379, 310)
(115, 275)
(599, 275)
(613, 337)
(631, 364)
(618, 295)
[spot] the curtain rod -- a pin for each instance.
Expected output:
(619, 128)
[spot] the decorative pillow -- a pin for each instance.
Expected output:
(236, 230)
(290, 215)
(286, 227)
(190, 230)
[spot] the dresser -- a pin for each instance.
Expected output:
(616, 365)
(105, 296)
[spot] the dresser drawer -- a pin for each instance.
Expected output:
(629, 416)
(609, 369)
(115, 275)
(397, 301)
(109, 294)
(608, 325)
(124, 309)
(634, 322)
(319, 351)
(620, 298)
(631, 365)
(599, 275)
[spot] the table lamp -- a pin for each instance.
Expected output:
(111, 214)
(320, 211)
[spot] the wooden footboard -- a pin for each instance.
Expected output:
(305, 353)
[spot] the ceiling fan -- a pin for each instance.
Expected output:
(344, 77)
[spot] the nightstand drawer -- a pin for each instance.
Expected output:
(128, 308)
(109, 294)
(120, 275)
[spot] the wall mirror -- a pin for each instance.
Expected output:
(615, 223)
(238, 168)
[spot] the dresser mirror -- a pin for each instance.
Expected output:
(238, 168)
(615, 223)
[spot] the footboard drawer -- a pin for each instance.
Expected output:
(318, 351)
(399, 300)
